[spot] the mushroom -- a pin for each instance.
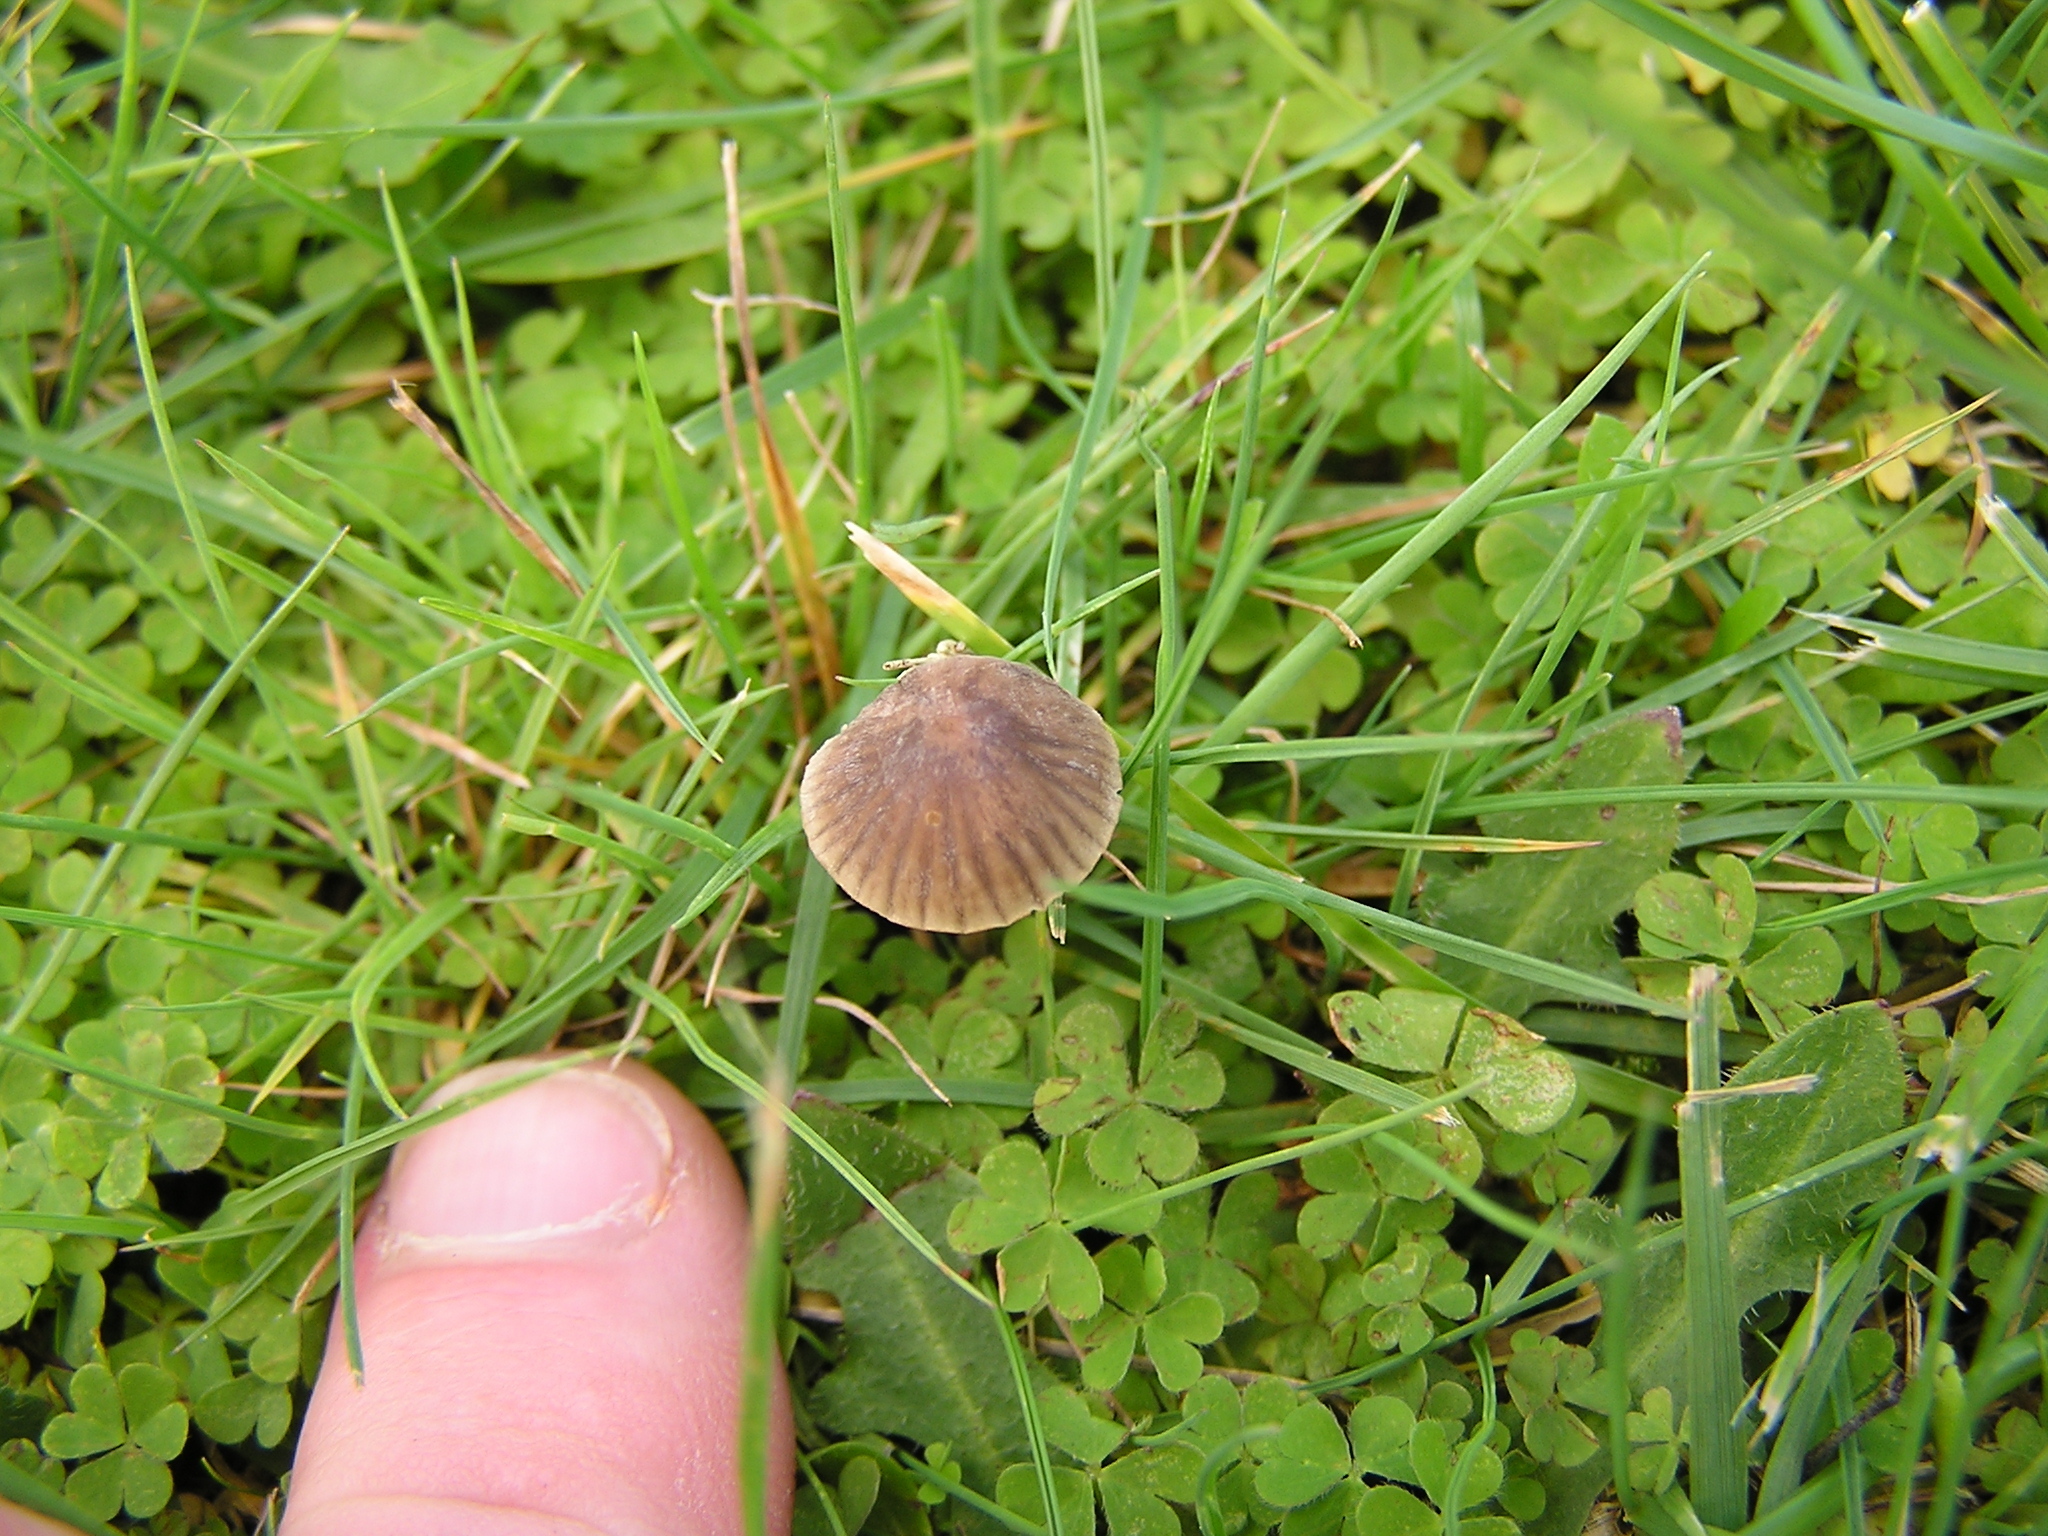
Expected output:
(965, 796)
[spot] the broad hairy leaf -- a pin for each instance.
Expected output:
(1562, 906)
(921, 1359)
(820, 1203)
(1770, 1139)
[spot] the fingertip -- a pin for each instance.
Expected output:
(551, 1298)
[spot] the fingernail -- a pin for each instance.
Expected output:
(580, 1153)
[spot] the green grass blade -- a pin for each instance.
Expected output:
(1116, 329)
(1720, 1479)
(1289, 669)
(174, 755)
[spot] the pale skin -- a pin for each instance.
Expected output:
(551, 1291)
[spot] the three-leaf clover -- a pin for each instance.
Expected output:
(1212, 1251)
(2013, 1463)
(1134, 1284)
(1036, 1258)
(1936, 839)
(1658, 1442)
(1421, 1273)
(2011, 922)
(25, 1260)
(1305, 1460)
(1547, 1377)
(162, 1051)
(938, 1456)
(1558, 1164)
(1353, 1177)
(1679, 915)
(1514, 1077)
(130, 1426)
(1680, 918)
(1138, 1133)
(1312, 1454)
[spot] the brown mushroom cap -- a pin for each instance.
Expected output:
(965, 796)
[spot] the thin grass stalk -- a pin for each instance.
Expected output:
(1911, 165)
(224, 1307)
(1101, 396)
(459, 405)
(167, 764)
(1236, 559)
(345, 1224)
(800, 983)
(1936, 1399)
(710, 601)
(1577, 605)
(1962, 174)
(761, 1356)
(120, 152)
(1720, 1479)
(1287, 670)
(757, 1094)
(984, 301)
(1468, 329)
(362, 767)
(145, 361)
(799, 558)
(1619, 556)
(1566, 625)
(952, 386)
(1152, 969)
(1088, 46)
(860, 428)
(1034, 1425)
(1843, 1399)
(1618, 1307)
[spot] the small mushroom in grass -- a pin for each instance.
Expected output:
(965, 796)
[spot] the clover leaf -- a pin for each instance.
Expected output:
(130, 1427)
(232, 1411)
(1920, 837)
(938, 1457)
(25, 1259)
(1402, 1029)
(1926, 1035)
(2012, 1463)
(1422, 1272)
(1682, 917)
(1802, 971)
(1087, 1436)
(1434, 1453)
(1036, 1259)
(1134, 1285)
(1212, 1251)
(2011, 922)
(164, 1052)
(1392, 1441)
(1089, 1043)
(1525, 1086)
(1546, 1377)
(1558, 1163)
(1138, 1489)
(1349, 1188)
(1678, 915)
(1659, 1443)
(1305, 1460)
(1138, 1134)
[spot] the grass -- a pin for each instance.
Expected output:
(460, 465)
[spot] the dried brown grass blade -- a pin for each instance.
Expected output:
(521, 529)
(798, 554)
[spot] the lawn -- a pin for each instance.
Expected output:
(1543, 497)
